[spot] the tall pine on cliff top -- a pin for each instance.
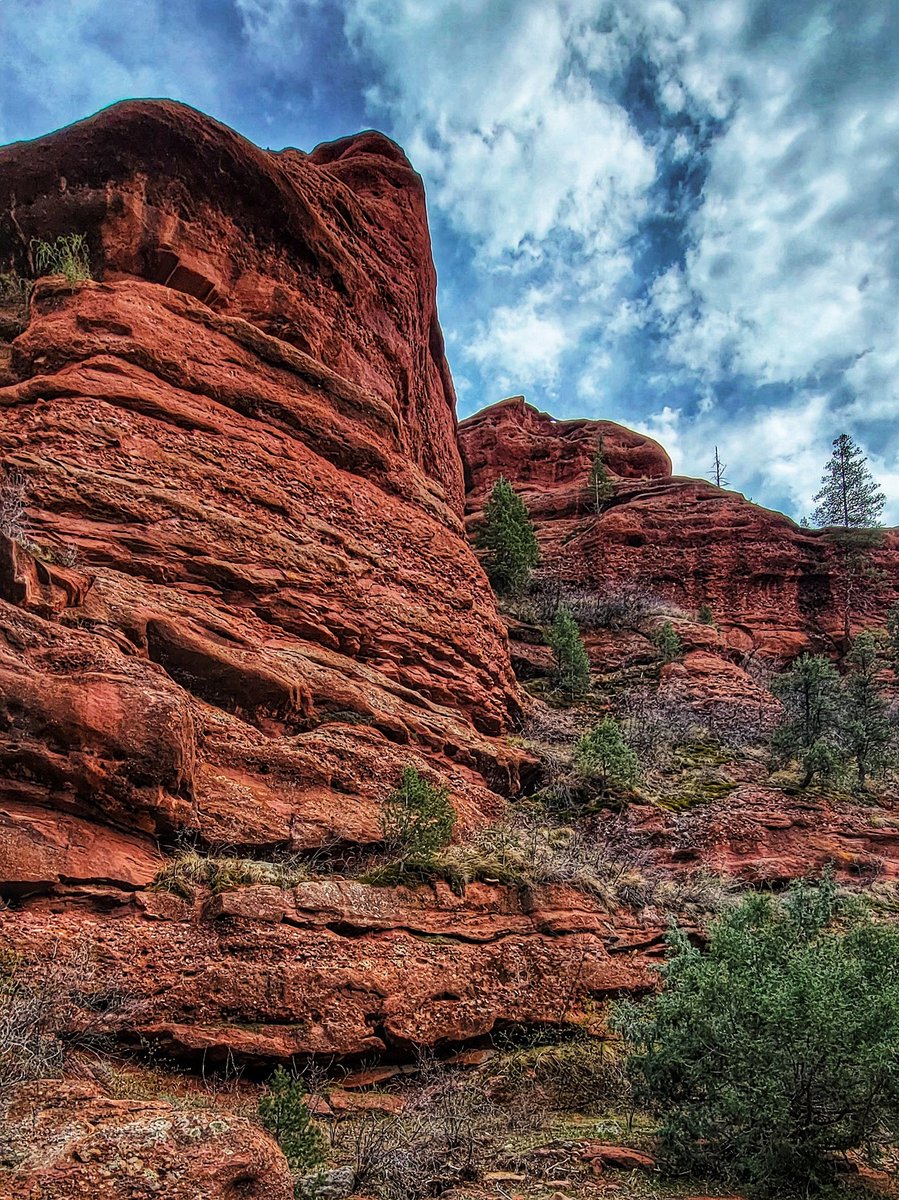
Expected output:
(849, 497)
(601, 487)
(850, 503)
(508, 537)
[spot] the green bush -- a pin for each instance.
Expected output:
(604, 756)
(572, 669)
(284, 1113)
(808, 730)
(775, 1048)
(706, 616)
(417, 819)
(68, 255)
(509, 540)
(666, 642)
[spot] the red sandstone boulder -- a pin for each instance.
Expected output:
(68, 1139)
(247, 433)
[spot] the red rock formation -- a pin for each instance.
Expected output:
(341, 968)
(261, 482)
(73, 1141)
(772, 585)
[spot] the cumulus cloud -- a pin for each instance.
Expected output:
(679, 214)
(683, 305)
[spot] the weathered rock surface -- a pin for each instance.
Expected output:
(772, 586)
(340, 968)
(69, 1139)
(247, 433)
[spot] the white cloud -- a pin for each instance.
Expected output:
(544, 175)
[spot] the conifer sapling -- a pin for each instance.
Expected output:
(509, 540)
(572, 671)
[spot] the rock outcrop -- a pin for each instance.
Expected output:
(70, 1139)
(772, 586)
(245, 435)
(241, 600)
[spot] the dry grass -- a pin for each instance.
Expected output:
(49, 1008)
(188, 871)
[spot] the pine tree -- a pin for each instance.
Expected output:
(509, 540)
(667, 642)
(603, 755)
(572, 673)
(601, 487)
(706, 616)
(284, 1113)
(850, 503)
(867, 730)
(417, 819)
(849, 497)
(808, 730)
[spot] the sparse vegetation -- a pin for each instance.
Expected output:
(602, 755)
(190, 870)
(572, 670)
(446, 1135)
(15, 295)
(777, 1047)
(13, 501)
(48, 1008)
(284, 1113)
(417, 819)
(69, 255)
(706, 616)
(666, 642)
(508, 539)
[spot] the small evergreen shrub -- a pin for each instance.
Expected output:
(667, 642)
(604, 756)
(68, 255)
(508, 539)
(706, 617)
(417, 819)
(777, 1047)
(283, 1112)
(809, 728)
(572, 669)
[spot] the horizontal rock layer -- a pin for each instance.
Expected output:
(772, 585)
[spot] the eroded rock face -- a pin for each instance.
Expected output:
(247, 433)
(339, 968)
(70, 1139)
(772, 586)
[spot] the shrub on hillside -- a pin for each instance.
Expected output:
(775, 1048)
(572, 666)
(666, 642)
(809, 728)
(284, 1113)
(417, 819)
(603, 756)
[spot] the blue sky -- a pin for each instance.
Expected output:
(678, 214)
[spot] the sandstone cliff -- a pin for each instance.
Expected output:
(244, 601)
